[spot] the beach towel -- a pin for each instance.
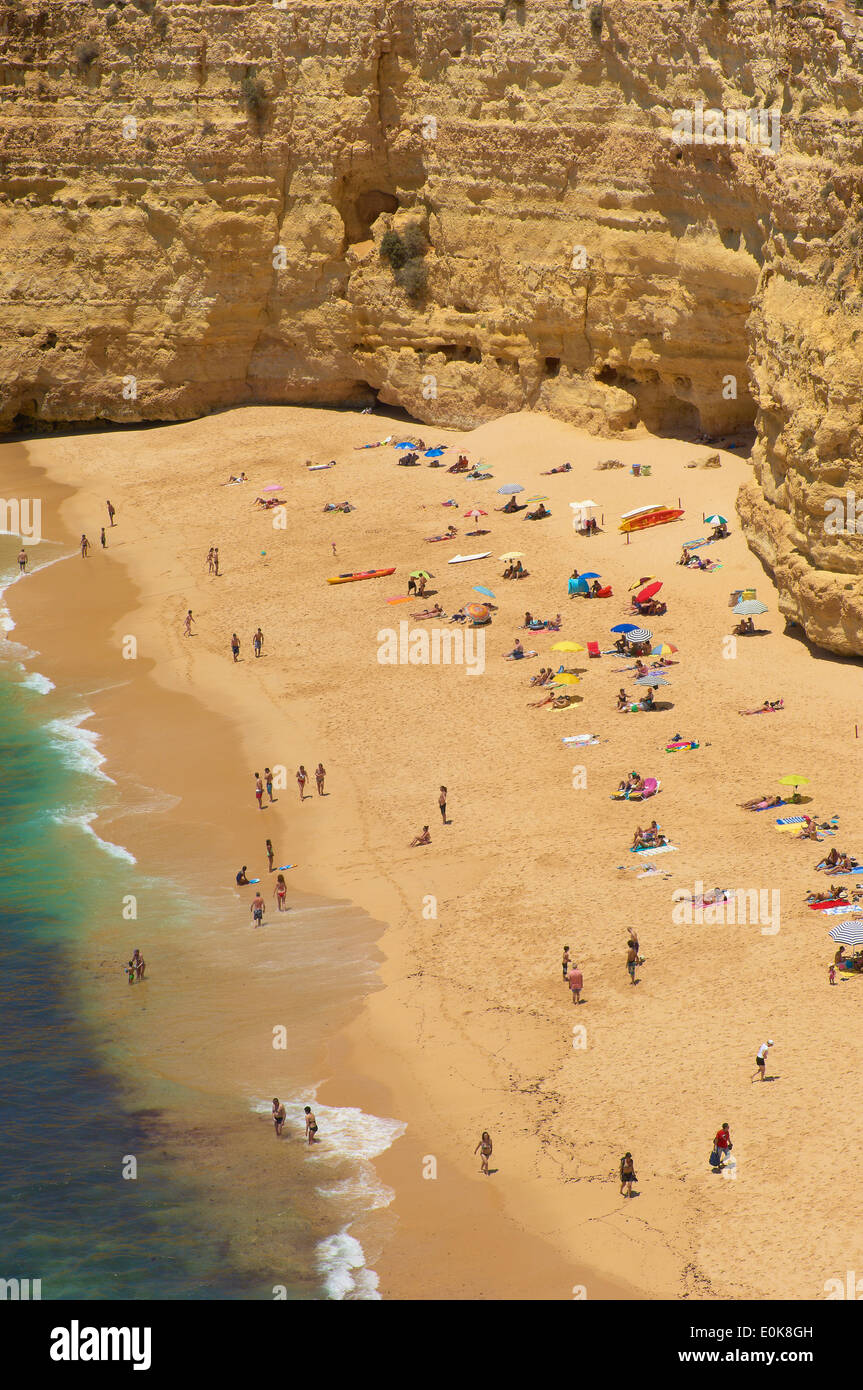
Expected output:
(838, 908)
(791, 820)
(583, 740)
(828, 902)
(656, 849)
(681, 747)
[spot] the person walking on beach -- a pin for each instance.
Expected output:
(761, 1061)
(335, 552)
(216, 560)
(441, 801)
(632, 962)
(271, 856)
(257, 909)
(311, 1125)
(302, 779)
(210, 560)
(565, 963)
(320, 774)
(111, 512)
(279, 1116)
(259, 791)
(104, 539)
(188, 624)
(235, 646)
(627, 1175)
(85, 546)
(268, 782)
(575, 980)
(22, 560)
(722, 1147)
(281, 892)
(485, 1147)
(258, 642)
(139, 963)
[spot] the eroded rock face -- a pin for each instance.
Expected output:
(206, 204)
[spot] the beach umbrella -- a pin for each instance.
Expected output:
(652, 678)
(509, 489)
(647, 594)
(645, 579)
(405, 444)
(567, 647)
(421, 574)
(273, 487)
(640, 634)
(477, 612)
(433, 453)
(848, 933)
(513, 555)
(663, 649)
(481, 589)
(590, 574)
(748, 606)
(566, 679)
(715, 520)
(626, 627)
(536, 499)
(586, 503)
(475, 512)
(793, 780)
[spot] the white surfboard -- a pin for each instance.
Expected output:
(460, 559)
(314, 467)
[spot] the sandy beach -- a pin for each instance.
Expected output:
(468, 1025)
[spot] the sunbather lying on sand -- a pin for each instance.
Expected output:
(562, 468)
(761, 803)
(556, 701)
(769, 707)
(436, 612)
(448, 535)
(269, 502)
(242, 479)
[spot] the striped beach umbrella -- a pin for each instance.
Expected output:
(477, 612)
(848, 933)
(652, 678)
(749, 606)
(509, 489)
(639, 634)
(663, 649)
(716, 520)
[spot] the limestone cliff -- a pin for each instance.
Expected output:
(463, 207)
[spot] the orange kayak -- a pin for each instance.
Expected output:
(654, 518)
(360, 574)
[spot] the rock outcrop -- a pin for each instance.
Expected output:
(463, 207)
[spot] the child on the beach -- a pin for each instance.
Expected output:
(832, 973)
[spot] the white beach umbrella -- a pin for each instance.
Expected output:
(850, 933)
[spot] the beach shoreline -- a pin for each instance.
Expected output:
(472, 1028)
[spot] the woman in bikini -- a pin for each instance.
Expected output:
(281, 892)
(484, 1147)
(271, 856)
(302, 778)
(627, 1175)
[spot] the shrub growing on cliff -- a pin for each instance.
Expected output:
(253, 95)
(405, 255)
(393, 248)
(85, 56)
(413, 278)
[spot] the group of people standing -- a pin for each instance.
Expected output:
(257, 643)
(84, 543)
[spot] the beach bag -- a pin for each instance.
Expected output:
(715, 1158)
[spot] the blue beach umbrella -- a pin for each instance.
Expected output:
(590, 574)
(509, 488)
(481, 589)
(405, 444)
(625, 627)
(433, 453)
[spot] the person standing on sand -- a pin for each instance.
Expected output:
(85, 546)
(235, 646)
(565, 963)
(279, 1116)
(188, 624)
(302, 778)
(576, 983)
(111, 512)
(320, 774)
(22, 560)
(258, 642)
(441, 801)
(259, 791)
(281, 892)
(271, 856)
(257, 909)
(104, 540)
(831, 973)
(485, 1147)
(761, 1061)
(627, 1175)
(268, 782)
(311, 1125)
(722, 1145)
(216, 561)
(139, 963)
(210, 560)
(631, 963)
(335, 552)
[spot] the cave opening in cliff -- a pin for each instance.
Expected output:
(360, 208)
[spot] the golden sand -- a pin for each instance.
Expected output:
(473, 1029)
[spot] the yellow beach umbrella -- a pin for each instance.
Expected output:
(793, 780)
(567, 647)
(566, 679)
(641, 582)
(513, 555)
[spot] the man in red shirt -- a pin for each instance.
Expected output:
(576, 983)
(723, 1144)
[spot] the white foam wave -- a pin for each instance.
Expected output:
(78, 747)
(84, 822)
(341, 1261)
(36, 681)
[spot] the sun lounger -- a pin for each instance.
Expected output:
(651, 786)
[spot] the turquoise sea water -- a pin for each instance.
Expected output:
(67, 1216)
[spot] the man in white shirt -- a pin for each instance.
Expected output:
(761, 1061)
